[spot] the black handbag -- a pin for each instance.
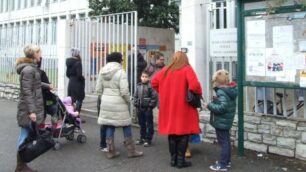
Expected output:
(36, 144)
(193, 99)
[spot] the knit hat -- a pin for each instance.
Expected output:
(220, 78)
(75, 52)
(114, 57)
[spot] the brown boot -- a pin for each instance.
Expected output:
(130, 146)
(111, 148)
(22, 166)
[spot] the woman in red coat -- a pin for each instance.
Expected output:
(177, 118)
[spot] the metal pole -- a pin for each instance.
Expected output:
(240, 28)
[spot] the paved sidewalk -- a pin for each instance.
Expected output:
(74, 157)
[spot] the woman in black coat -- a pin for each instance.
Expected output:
(76, 86)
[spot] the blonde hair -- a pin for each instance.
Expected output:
(221, 77)
(30, 50)
(178, 61)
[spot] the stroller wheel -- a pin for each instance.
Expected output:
(57, 146)
(70, 137)
(81, 139)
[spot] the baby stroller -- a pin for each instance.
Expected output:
(63, 124)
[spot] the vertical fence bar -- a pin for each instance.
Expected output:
(117, 33)
(304, 97)
(274, 102)
(127, 44)
(109, 35)
(284, 103)
(133, 78)
(294, 102)
(113, 33)
(122, 36)
(135, 48)
(255, 100)
(105, 46)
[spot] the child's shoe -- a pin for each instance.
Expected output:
(103, 149)
(229, 165)
(139, 141)
(217, 167)
(147, 143)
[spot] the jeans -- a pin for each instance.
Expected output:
(110, 131)
(224, 140)
(24, 133)
(145, 120)
(103, 136)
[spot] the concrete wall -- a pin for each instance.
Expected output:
(265, 134)
(9, 91)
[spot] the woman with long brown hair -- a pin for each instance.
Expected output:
(177, 118)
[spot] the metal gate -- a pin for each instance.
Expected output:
(98, 36)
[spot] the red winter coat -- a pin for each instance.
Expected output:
(176, 116)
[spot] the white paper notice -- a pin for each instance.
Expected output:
(274, 63)
(256, 34)
(288, 77)
(255, 61)
(295, 61)
(302, 46)
(283, 39)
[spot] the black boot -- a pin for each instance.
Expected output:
(172, 150)
(181, 150)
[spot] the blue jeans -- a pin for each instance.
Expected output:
(145, 120)
(24, 133)
(103, 136)
(110, 131)
(224, 140)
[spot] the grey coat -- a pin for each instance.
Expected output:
(30, 96)
(112, 85)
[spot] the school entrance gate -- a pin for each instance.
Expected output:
(99, 36)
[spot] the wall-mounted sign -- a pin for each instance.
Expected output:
(223, 42)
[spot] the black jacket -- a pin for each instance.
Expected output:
(145, 96)
(76, 86)
(141, 65)
(47, 95)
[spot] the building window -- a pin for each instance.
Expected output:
(1, 33)
(53, 31)
(13, 5)
(31, 32)
(32, 3)
(11, 34)
(39, 2)
(6, 7)
(45, 32)
(25, 5)
(82, 16)
(24, 33)
(18, 4)
(38, 31)
(1, 6)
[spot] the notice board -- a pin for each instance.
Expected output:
(275, 49)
